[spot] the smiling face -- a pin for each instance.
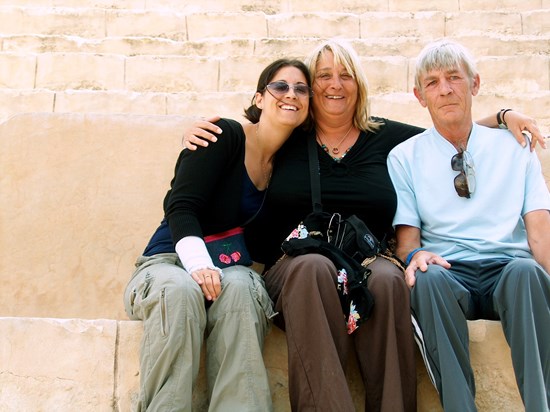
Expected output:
(447, 93)
(334, 90)
(288, 107)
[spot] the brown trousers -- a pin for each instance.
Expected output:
(304, 291)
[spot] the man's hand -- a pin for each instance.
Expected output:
(199, 133)
(421, 260)
(209, 281)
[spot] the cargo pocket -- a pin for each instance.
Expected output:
(261, 295)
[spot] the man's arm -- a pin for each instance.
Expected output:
(409, 251)
(537, 224)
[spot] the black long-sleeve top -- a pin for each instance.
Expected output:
(206, 193)
(358, 184)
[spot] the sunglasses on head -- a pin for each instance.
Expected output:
(279, 88)
(465, 181)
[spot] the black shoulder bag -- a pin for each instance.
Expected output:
(346, 242)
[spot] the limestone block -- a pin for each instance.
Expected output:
(338, 6)
(207, 6)
(241, 74)
(481, 23)
(401, 107)
(14, 101)
(57, 364)
(402, 46)
(127, 4)
(427, 5)
(208, 25)
(128, 46)
(93, 365)
(60, 71)
(537, 23)
(171, 74)
(127, 371)
(490, 5)
(38, 43)
(46, 20)
(226, 104)
(83, 193)
(421, 24)
(322, 25)
(17, 71)
(493, 44)
(386, 74)
(164, 24)
(90, 101)
(515, 74)
(533, 104)
(285, 47)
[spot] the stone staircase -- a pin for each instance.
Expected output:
(94, 96)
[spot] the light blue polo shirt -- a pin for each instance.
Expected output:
(509, 184)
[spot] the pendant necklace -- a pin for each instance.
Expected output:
(335, 149)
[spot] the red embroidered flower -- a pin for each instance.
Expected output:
(224, 259)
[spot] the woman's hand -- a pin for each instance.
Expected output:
(518, 123)
(209, 281)
(199, 133)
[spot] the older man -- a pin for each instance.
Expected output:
(473, 226)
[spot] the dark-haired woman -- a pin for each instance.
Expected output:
(194, 280)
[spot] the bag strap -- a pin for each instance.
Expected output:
(314, 172)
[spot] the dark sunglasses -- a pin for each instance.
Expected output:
(277, 89)
(465, 181)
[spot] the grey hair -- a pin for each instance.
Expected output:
(444, 54)
(345, 55)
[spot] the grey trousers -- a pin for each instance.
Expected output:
(515, 291)
(175, 320)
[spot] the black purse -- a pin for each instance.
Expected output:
(346, 242)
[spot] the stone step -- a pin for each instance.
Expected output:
(84, 365)
(175, 25)
(490, 44)
(399, 106)
(279, 6)
(175, 74)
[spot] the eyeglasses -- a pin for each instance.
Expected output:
(465, 181)
(277, 89)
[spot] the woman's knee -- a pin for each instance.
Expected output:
(312, 266)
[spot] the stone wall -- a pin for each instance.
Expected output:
(94, 96)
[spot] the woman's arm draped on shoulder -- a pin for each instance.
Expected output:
(199, 134)
(517, 123)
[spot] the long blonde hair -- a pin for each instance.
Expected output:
(345, 55)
